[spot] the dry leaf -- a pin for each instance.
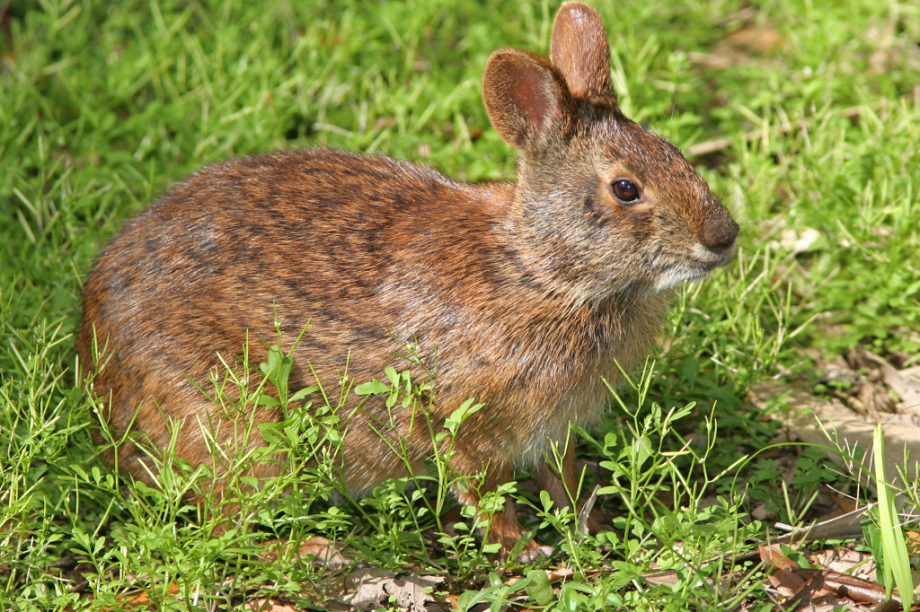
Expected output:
(269, 605)
(772, 556)
(816, 586)
(888, 606)
(857, 589)
(846, 504)
(559, 573)
(666, 577)
(845, 561)
(670, 578)
(369, 588)
(318, 549)
(760, 39)
(907, 388)
(143, 599)
(738, 47)
(784, 581)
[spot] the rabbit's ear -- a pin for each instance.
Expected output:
(523, 96)
(581, 54)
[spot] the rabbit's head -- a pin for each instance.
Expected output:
(603, 205)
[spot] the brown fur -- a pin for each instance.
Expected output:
(529, 291)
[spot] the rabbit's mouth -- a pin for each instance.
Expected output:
(703, 262)
(710, 258)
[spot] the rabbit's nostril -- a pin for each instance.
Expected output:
(719, 232)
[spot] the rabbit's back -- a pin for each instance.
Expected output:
(312, 231)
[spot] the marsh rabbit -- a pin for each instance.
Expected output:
(529, 292)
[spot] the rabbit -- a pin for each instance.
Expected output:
(532, 293)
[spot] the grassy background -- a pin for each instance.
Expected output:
(104, 104)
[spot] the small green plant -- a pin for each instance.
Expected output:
(467, 553)
(790, 501)
(684, 534)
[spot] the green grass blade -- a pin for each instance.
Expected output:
(897, 563)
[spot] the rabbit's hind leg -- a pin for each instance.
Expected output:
(562, 488)
(505, 529)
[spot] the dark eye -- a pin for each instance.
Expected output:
(625, 191)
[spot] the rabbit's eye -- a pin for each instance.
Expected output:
(625, 191)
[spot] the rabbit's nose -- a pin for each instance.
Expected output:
(719, 231)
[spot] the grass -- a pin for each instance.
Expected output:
(104, 105)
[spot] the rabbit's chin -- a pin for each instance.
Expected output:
(682, 274)
(673, 278)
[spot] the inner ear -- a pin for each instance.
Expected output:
(536, 103)
(581, 53)
(523, 97)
